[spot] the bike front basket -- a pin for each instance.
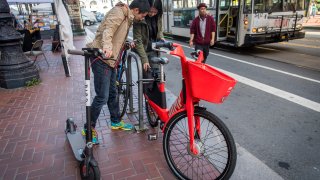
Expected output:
(208, 83)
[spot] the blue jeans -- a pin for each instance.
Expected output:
(106, 91)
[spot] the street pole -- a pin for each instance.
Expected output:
(15, 68)
(168, 30)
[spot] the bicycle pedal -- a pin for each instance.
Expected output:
(152, 137)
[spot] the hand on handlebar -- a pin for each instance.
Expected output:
(132, 44)
(108, 53)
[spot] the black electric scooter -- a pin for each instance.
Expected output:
(83, 149)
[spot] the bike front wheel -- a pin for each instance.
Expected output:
(217, 151)
(123, 91)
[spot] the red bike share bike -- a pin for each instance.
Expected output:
(196, 143)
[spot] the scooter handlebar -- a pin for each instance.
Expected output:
(75, 52)
(88, 51)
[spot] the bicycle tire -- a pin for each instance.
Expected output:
(123, 91)
(206, 162)
(94, 172)
(151, 115)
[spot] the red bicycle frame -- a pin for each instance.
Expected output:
(185, 101)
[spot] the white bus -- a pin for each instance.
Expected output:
(240, 22)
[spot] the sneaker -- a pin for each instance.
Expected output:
(94, 135)
(121, 125)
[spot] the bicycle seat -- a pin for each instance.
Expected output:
(159, 60)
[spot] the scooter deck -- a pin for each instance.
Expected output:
(77, 143)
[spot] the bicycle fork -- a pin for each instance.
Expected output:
(193, 125)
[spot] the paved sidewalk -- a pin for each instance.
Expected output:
(32, 138)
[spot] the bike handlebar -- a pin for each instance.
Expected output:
(165, 44)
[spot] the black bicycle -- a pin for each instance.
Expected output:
(122, 79)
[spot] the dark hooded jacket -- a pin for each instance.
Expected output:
(141, 32)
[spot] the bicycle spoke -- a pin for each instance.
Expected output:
(179, 156)
(207, 171)
(184, 134)
(183, 157)
(215, 165)
(206, 136)
(213, 151)
(216, 137)
(214, 147)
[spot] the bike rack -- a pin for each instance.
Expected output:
(131, 55)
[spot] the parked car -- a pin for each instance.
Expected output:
(99, 17)
(88, 18)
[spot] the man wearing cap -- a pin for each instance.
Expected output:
(202, 31)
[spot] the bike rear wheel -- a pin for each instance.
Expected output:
(123, 91)
(217, 151)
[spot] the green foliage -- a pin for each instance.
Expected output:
(33, 82)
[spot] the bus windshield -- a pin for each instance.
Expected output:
(261, 6)
(247, 6)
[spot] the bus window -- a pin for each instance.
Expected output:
(293, 5)
(289, 5)
(274, 6)
(190, 3)
(183, 18)
(300, 5)
(234, 3)
(177, 4)
(247, 6)
(166, 7)
(224, 4)
(259, 6)
(209, 3)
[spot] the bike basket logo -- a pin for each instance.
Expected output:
(176, 106)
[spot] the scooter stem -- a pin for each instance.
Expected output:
(88, 101)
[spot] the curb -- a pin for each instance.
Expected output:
(312, 27)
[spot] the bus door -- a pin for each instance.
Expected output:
(233, 21)
(228, 20)
(222, 15)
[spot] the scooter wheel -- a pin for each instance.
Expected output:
(93, 174)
